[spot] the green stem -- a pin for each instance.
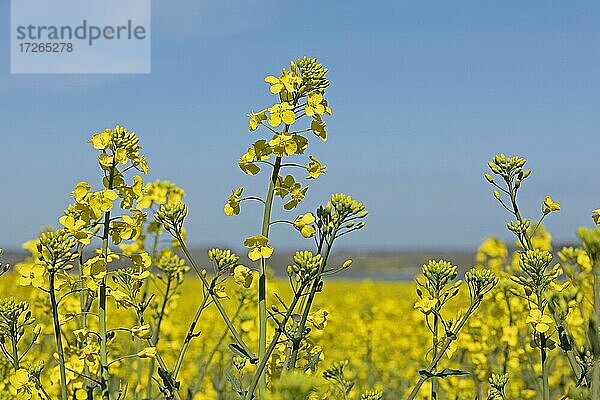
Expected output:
(122, 358)
(596, 321)
(87, 385)
(215, 299)
(216, 347)
(510, 323)
(434, 383)
(544, 358)
(104, 376)
(58, 336)
(103, 350)
(145, 292)
(189, 337)
(307, 306)
(262, 279)
(433, 365)
(278, 332)
(513, 199)
(15, 351)
(155, 336)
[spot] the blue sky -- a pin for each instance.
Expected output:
(423, 94)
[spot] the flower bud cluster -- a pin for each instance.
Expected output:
(14, 317)
(498, 383)
(508, 167)
(519, 227)
(438, 274)
(312, 73)
(591, 242)
(172, 265)
(55, 249)
(171, 216)
(534, 263)
(306, 265)
(123, 139)
(481, 282)
(371, 395)
(340, 215)
(224, 259)
(119, 146)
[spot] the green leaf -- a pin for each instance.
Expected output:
(565, 343)
(239, 351)
(313, 361)
(451, 372)
(235, 383)
(443, 373)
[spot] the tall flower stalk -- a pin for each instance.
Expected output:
(300, 91)
(56, 252)
(435, 289)
(535, 277)
(105, 230)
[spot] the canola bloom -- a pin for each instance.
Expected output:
(113, 305)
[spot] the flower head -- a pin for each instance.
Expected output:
(242, 275)
(55, 249)
(171, 216)
(596, 216)
(541, 323)
(314, 168)
(147, 352)
(256, 119)
(303, 223)
(426, 304)
(480, 282)
(259, 247)
(31, 274)
(282, 112)
(439, 273)
(549, 205)
(232, 207)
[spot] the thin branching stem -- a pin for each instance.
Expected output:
(215, 300)
(190, 335)
(58, 337)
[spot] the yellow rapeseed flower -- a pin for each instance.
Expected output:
(549, 205)
(303, 223)
(232, 207)
(259, 247)
(242, 275)
(281, 112)
(19, 379)
(426, 304)
(541, 323)
(314, 168)
(256, 119)
(31, 274)
(102, 140)
(314, 104)
(147, 352)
